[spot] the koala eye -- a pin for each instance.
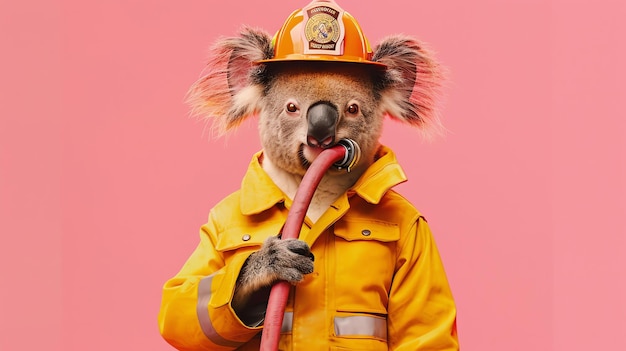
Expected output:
(353, 109)
(291, 107)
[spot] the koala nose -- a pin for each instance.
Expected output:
(322, 120)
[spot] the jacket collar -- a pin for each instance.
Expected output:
(382, 175)
(259, 193)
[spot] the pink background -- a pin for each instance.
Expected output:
(104, 181)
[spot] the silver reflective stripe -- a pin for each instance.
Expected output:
(361, 325)
(204, 295)
(287, 322)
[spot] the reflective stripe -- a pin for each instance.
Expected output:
(204, 295)
(361, 325)
(287, 322)
(349, 326)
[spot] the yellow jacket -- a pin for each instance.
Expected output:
(378, 282)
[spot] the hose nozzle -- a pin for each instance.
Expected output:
(352, 156)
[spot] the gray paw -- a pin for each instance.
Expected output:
(288, 259)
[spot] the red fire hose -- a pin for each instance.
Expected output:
(344, 155)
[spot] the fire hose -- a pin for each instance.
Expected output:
(344, 155)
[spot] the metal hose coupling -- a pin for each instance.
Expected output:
(351, 157)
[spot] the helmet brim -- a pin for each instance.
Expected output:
(324, 58)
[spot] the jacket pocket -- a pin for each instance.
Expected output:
(246, 236)
(365, 253)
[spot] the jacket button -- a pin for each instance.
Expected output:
(246, 237)
(366, 232)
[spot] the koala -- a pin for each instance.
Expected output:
(304, 107)
(285, 96)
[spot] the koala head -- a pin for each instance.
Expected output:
(306, 106)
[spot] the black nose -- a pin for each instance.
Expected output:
(322, 119)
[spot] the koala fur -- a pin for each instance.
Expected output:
(235, 87)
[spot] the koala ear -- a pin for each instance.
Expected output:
(411, 83)
(232, 83)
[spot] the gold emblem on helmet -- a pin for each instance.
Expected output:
(323, 30)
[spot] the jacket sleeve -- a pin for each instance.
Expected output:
(195, 310)
(422, 313)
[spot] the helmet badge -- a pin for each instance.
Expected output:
(323, 29)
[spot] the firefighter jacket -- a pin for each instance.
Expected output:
(378, 281)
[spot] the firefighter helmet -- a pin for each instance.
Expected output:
(321, 31)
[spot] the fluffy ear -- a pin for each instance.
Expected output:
(412, 82)
(232, 83)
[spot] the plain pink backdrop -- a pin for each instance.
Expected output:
(104, 180)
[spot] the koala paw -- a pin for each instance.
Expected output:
(288, 260)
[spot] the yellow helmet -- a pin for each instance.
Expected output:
(321, 31)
